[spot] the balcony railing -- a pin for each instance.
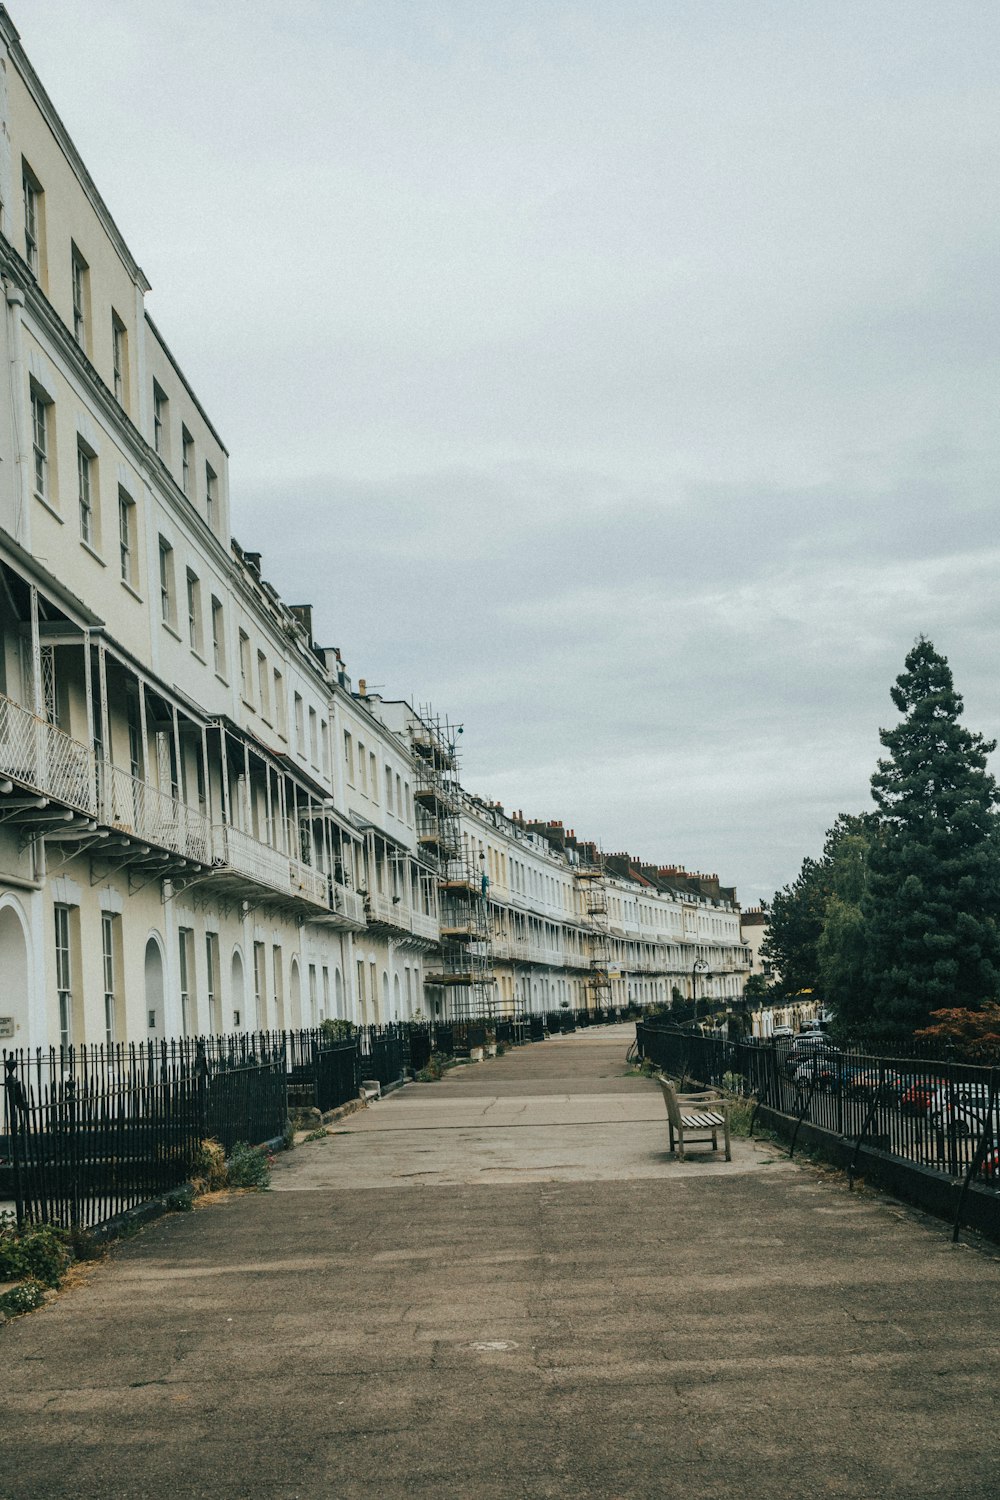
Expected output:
(396, 914)
(36, 754)
(154, 816)
(244, 855)
(347, 903)
(424, 926)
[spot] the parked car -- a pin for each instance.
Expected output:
(918, 1096)
(808, 1047)
(823, 1070)
(963, 1109)
(883, 1083)
(991, 1166)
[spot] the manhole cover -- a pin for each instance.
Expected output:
(494, 1346)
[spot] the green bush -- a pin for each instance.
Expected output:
(36, 1250)
(249, 1167)
(23, 1298)
(337, 1030)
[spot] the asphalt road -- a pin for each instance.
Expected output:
(502, 1286)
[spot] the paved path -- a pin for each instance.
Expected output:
(501, 1286)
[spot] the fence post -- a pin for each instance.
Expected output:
(201, 1087)
(73, 1123)
(17, 1107)
(978, 1156)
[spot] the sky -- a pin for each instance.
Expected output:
(620, 379)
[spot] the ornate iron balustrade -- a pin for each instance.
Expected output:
(154, 816)
(347, 903)
(44, 758)
(248, 856)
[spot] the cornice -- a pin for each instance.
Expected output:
(161, 341)
(124, 430)
(63, 139)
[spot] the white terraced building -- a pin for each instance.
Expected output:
(202, 826)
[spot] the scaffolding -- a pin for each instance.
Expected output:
(592, 878)
(464, 972)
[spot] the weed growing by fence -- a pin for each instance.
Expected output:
(37, 1251)
(208, 1170)
(24, 1297)
(249, 1167)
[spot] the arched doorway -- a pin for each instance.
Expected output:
(294, 995)
(14, 968)
(237, 992)
(338, 994)
(155, 990)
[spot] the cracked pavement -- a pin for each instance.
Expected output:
(502, 1285)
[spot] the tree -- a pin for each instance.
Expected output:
(800, 943)
(931, 901)
(841, 948)
(793, 930)
(974, 1035)
(755, 989)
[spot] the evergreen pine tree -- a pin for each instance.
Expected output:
(931, 903)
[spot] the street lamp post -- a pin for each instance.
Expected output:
(700, 967)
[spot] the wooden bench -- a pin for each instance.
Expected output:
(696, 1117)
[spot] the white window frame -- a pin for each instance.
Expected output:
(126, 539)
(168, 599)
(32, 191)
(64, 973)
(78, 272)
(193, 583)
(218, 636)
(119, 356)
(85, 494)
(160, 404)
(40, 441)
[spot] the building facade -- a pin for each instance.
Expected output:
(204, 827)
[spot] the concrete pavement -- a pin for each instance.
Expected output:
(502, 1286)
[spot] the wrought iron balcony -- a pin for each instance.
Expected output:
(45, 760)
(242, 860)
(134, 807)
(383, 911)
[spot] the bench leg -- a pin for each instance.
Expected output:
(680, 1143)
(729, 1149)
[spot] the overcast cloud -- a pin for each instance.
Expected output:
(622, 379)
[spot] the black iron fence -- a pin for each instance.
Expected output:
(91, 1132)
(939, 1114)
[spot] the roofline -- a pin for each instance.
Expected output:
(12, 37)
(185, 382)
